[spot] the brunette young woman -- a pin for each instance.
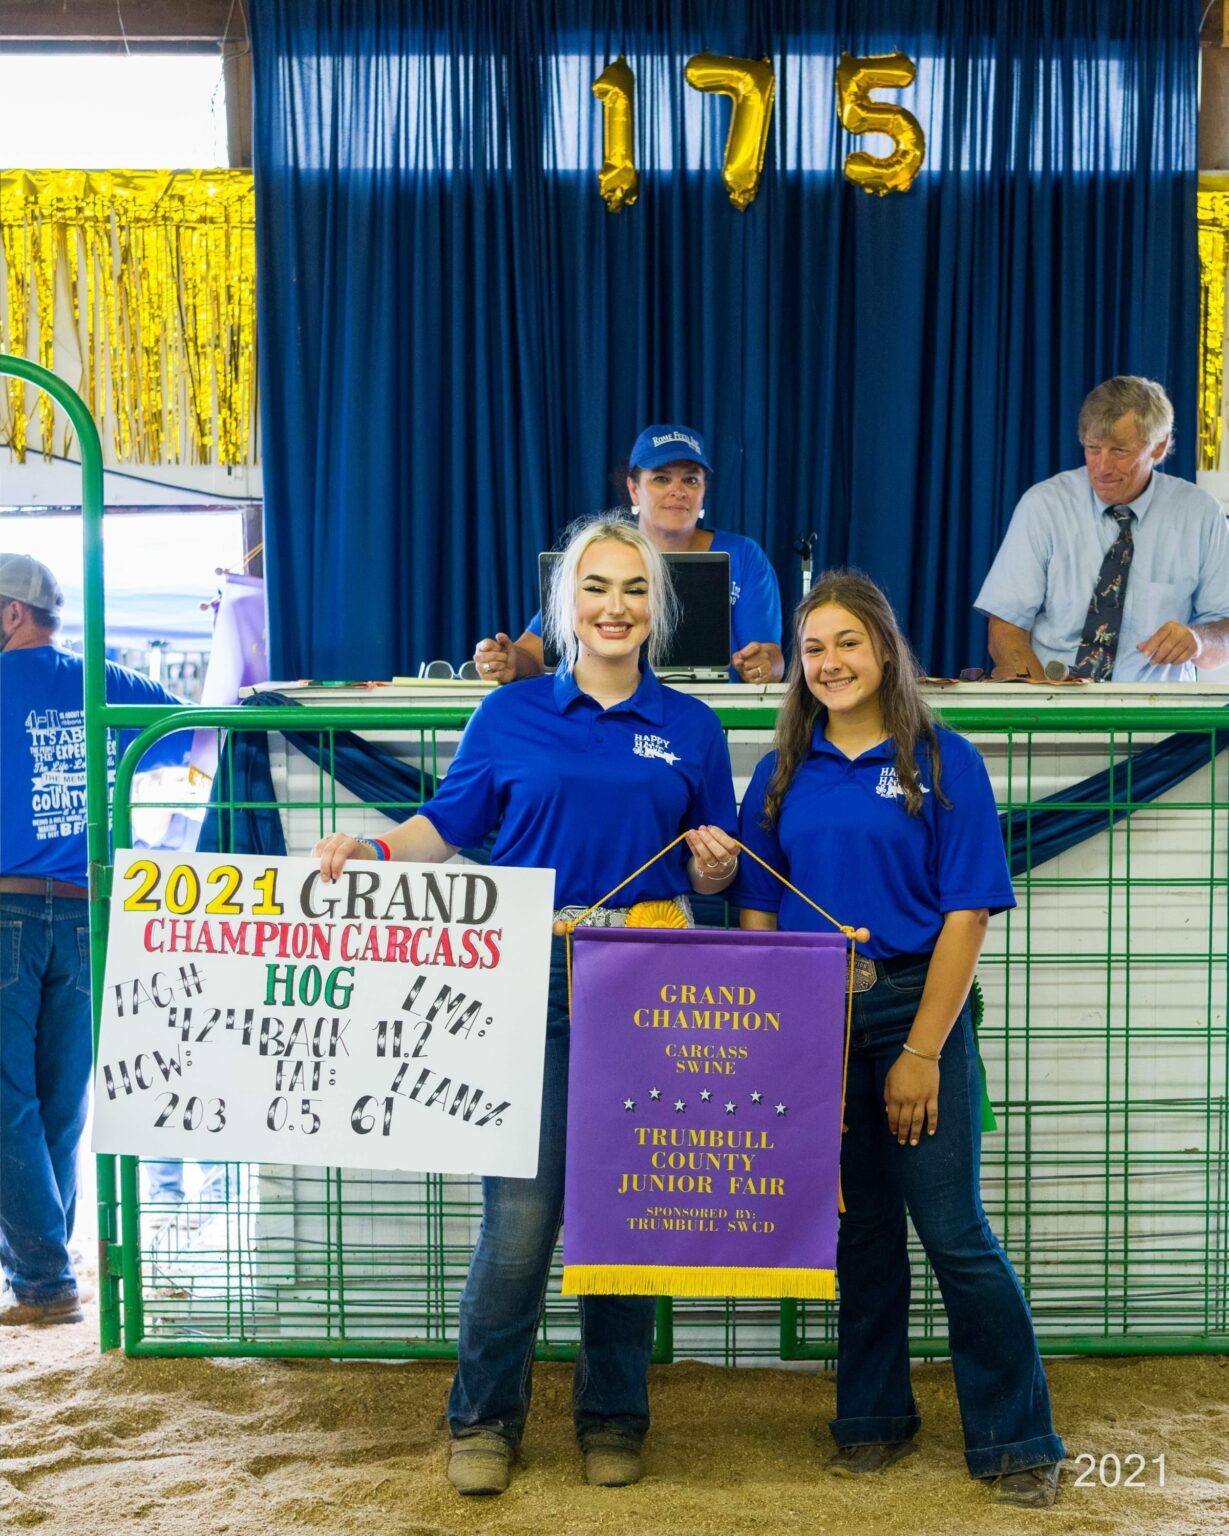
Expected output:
(888, 820)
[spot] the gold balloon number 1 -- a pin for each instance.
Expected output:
(751, 86)
(618, 180)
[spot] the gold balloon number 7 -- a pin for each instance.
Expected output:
(751, 86)
(860, 113)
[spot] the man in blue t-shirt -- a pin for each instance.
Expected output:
(45, 1041)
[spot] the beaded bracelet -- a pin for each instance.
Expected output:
(925, 1055)
(382, 849)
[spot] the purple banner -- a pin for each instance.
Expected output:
(704, 1112)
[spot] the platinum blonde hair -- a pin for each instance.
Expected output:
(559, 619)
(1144, 398)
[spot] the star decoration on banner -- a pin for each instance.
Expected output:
(757, 1097)
(655, 1093)
(679, 1106)
(629, 1103)
(729, 1106)
(705, 1095)
(780, 1109)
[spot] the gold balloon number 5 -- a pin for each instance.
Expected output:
(860, 113)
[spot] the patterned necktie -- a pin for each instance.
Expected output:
(1099, 642)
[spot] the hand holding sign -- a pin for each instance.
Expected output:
(390, 1018)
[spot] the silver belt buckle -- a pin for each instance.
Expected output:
(864, 974)
(600, 917)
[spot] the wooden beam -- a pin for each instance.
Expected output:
(51, 23)
(237, 73)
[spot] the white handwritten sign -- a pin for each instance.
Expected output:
(393, 1018)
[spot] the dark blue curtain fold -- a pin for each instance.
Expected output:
(458, 342)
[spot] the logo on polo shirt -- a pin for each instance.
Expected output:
(677, 437)
(735, 593)
(889, 785)
(654, 746)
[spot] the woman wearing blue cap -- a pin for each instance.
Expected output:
(590, 771)
(667, 480)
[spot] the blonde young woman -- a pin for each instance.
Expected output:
(589, 771)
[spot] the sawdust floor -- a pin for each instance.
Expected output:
(190, 1448)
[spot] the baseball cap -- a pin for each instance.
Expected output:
(668, 445)
(29, 581)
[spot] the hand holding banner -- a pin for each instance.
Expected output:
(704, 1113)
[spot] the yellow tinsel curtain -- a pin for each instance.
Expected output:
(139, 288)
(1213, 203)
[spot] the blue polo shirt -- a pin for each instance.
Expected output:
(845, 838)
(589, 792)
(755, 597)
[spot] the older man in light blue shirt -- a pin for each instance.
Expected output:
(1174, 609)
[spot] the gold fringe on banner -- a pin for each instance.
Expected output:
(157, 270)
(1213, 205)
(697, 1280)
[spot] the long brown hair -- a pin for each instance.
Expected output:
(906, 716)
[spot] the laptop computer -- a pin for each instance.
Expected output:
(699, 650)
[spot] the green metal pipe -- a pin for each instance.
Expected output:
(383, 1349)
(1052, 1346)
(315, 1349)
(663, 1331)
(1083, 719)
(134, 1296)
(95, 688)
(998, 722)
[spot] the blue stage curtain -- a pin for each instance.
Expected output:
(458, 341)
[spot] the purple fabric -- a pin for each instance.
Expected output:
(628, 1011)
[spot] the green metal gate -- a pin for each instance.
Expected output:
(1105, 1037)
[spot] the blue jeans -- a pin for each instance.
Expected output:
(164, 1182)
(46, 1049)
(502, 1301)
(1000, 1385)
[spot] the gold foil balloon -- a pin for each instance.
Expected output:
(751, 84)
(861, 114)
(618, 180)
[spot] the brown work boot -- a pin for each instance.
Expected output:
(37, 1313)
(1033, 1488)
(480, 1462)
(857, 1460)
(612, 1460)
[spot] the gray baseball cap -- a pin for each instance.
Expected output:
(29, 581)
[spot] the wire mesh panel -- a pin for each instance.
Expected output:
(1104, 1038)
(1105, 1045)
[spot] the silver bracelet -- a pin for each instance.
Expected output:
(925, 1055)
